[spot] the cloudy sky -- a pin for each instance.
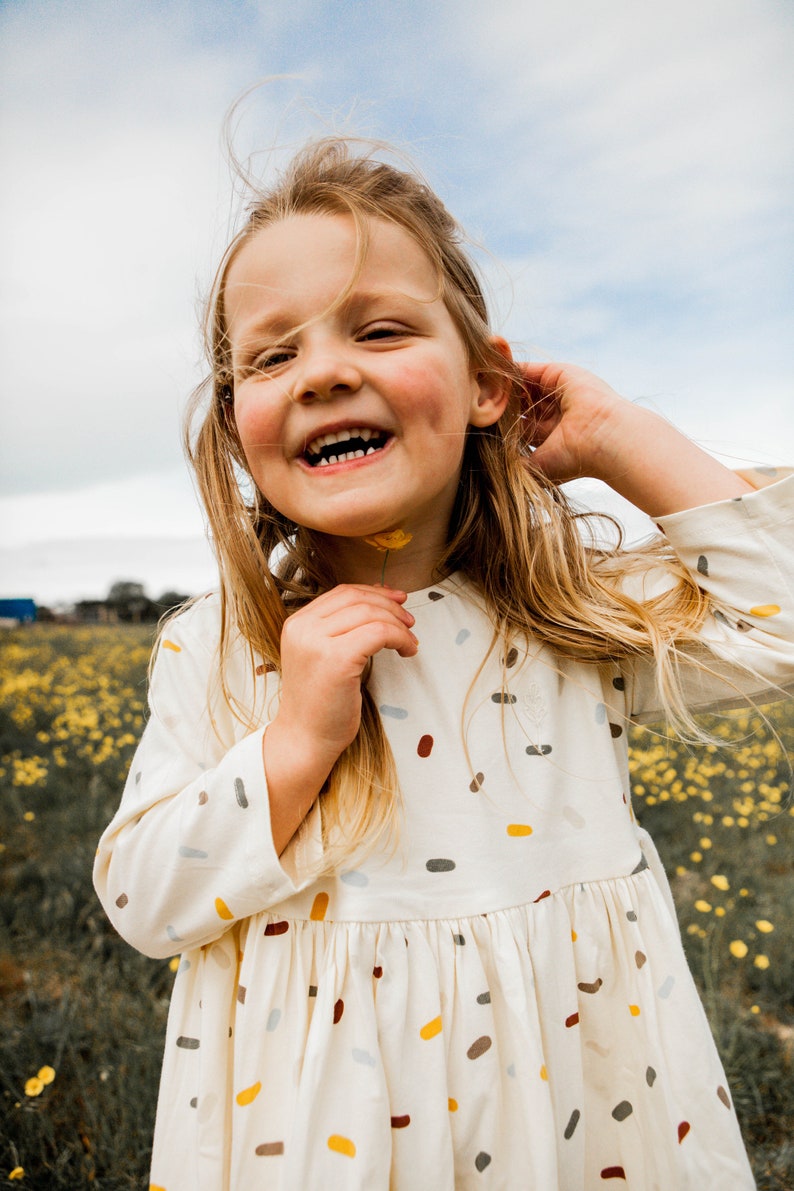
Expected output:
(626, 168)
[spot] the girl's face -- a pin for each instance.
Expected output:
(354, 424)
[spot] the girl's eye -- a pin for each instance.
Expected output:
(272, 358)
(382, 332)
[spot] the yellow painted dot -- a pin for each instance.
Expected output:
(765, 927)
(341, 1145)
(634, 1010)
(574, 936)
(519, 829)
(703, 906)
(174, 963)
(762, 962)
(738, 949)
(222, 910)
(720, 882)
(156, 1187)
(319, 907)
(17, 1173)
(430, 1029)
(248, 1095)
(452, 1105)
(543, 1072)
(172, 645)
(765, 610)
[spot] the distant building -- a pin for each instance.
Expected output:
(20, 611)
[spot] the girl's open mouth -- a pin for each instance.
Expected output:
(343, 446)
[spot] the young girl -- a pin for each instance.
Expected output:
(382, 804)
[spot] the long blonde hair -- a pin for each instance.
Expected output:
(513, 532)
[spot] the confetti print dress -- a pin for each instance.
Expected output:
(500, 1003)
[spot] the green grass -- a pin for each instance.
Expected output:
(75, 998)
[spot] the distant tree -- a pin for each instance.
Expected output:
(129, 600)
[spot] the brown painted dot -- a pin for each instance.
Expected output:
(482, 1160)
(400, 1122)
(339, 1009)
(476, 782)
(122, 900)
(619, 683)
(572, 1020)
(377, 972)
(723, 1095)
(435, 595)
(631, 915)
(270, 1149)
(241, 991)
(573, 1121)
(187, 1043)
(613, 1172)
(584, 987)
(545, 893)
(312, 990)
(512, 657)
(425, 746)
(683, 1129)
(622, 1110)
(440, 865)
(203, 798)
(640, 958)
(479, 1047)
(616, 730)
(276, 928)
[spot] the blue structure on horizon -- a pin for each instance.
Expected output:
(23, 611)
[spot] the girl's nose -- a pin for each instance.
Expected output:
(326, 373)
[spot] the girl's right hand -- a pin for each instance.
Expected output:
(325, 650)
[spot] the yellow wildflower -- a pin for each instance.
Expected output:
(703, 906)
(738, 949)
(762, 962)
(765, 927)
(34, 1086)
(46, 1075)
(17, 1173)
(771, 839)
(720, 882)
(394, 539)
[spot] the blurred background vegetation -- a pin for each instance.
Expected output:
(82, 1016)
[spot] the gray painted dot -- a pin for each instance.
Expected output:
(538, 750)
(503, 697)
(274, 1018)
(650, 1076)
(462, 636)
(622, 1110)
(459, 940)
(482, 1160)
(435, 595)
(484, 998)
(619, 683)
(363, 1057)
(173, 936)
(440, 865)
(355, 878)
(511, 1070)
(184, 966)
(194, 1102)
(395, 713)
(239, 792)
(573, 1121)
(187, 1043)
(640, 866)
(703, 565)
(600, 713)
(666, 987)
(138, 778)
(193, 853)
(631, 915)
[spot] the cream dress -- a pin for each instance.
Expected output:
(501, 1002)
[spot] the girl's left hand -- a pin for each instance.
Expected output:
(570, 416)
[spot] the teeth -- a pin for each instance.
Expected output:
(327, 440)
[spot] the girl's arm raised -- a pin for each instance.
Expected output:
(581, 427)
(198, 839)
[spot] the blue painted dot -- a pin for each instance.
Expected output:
(274, 1017)
(600, 713)
(462, 636)
(355, 878)
(395, 713)
(193, 853)
(363, 1057)
(173, 936)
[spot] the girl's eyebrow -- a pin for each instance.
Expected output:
(273, 326)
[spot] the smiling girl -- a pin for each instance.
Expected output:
(425, 944)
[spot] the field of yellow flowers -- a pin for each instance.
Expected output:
(82, 1016)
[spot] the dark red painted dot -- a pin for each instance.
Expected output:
(545, 893)
(573, 1020)
(339, 1009)
(400, 1122)
(683, 1129)
(276, 928)
(377, 972)
(613, 1172)
(425, 746)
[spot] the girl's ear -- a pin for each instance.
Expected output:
(493, 390)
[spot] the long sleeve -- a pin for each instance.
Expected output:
(741, 552)
(190, 849)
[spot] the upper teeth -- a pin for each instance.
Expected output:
(326, 440)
